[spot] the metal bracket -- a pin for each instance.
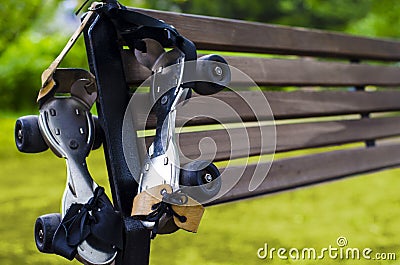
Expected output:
(113, 97)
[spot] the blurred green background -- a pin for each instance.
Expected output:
(32, 33)
(364, 209)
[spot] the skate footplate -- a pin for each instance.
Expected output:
(90, 229)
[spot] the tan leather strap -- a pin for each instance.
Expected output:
(192, 210)
(48, 82)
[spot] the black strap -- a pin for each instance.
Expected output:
(134, 26)
(96, 218)
(165, 208)
(81, 6)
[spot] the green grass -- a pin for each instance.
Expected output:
(364, 209)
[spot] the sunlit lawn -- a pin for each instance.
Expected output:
(364, 209)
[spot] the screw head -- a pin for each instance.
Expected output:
(19, 134)
(218, 71)
(73, 144)
(41, 235)
(164, 100)
(208, 178)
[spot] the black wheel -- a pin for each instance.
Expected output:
(201, 180)
(98, 134)
(27, 135)
(45, 228)
(215, 72)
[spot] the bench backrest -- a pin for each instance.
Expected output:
(351, 104)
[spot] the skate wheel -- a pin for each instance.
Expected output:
(215, 72)
(28, 137)
(98, 134)
(204, 176)
(45, 228)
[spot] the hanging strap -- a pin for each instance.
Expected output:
(48, 83)
(134, 26)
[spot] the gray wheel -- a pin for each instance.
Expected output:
(215, 70)
(28, 138)
(98, 134)
(200, 180)
(45, 228)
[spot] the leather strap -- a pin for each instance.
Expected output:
(48, 82)
(96, 219)
(149, 202)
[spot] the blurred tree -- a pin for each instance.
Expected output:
(33, 32)
(31, 39)
(382, 20)
(19, 15)
(322, 14)
(331, 15)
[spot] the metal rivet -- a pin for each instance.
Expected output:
(77, 112)
(164, 100)
(81, 131)
(73, 144)
(218, 70)
(53, 112)
(57, 131)
(208, 178)
(20, 134)
(147, 167)
(41, 234)
(163, 191)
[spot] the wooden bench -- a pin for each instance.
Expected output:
(339, 97)
(346, 73)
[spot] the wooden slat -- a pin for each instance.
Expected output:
(307, 170)
(275, 72)
(278, 72)
(284, 105)
(300, 104)
(244, 142)
(239, 36)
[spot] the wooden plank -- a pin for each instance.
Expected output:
(297, 172)
(244, 142)
(284, 105)
(301, 104)
(303, 72)
(308, 72)
(317, 134)
(221, 34)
